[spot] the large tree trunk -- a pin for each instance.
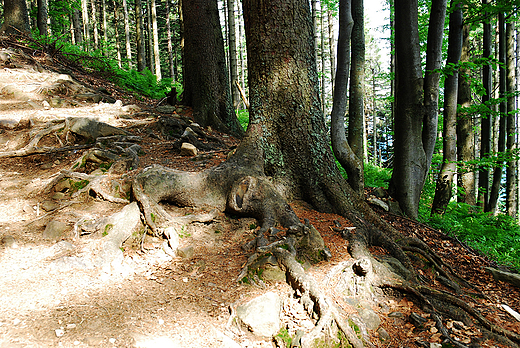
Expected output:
(16, 18)
(76, 24)
(206, 83)
(443, 189)
(415, 136)
(171, 63)
(465, 132)
(116, 33)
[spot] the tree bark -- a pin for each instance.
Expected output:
(332, 47)
(42, 17)
(501, 146)
(346, 157)
(127, 35)
(139, 35)
(171, 63)
(232, 42)
(443, 189)
(414, 137)
(76, 24)
(486, 117)
(465, 132)
(95, 24)
(356, 110)
(511, 168)
(86, 23)
(207, 89)
(16, 18)
(322, 59)
(155, 30)
(116, 33)
(104, 27)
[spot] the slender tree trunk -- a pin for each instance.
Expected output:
(443, 189)
(116, 32)
(356, 125)
(465, 132)
(94, 22)
(374, 119)
(139, 31)
(497, 173)
(127, 35)
(104, 27)
(332, 47)
(170, 46)
(42, 17)
(487, 119)
(155, 30)
(233, 73)
(314, 13)
(149, 34)
(342, 150)
(77, 26)
(511, 169)
(322, 56)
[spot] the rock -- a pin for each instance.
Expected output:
(188, 131)
(62, 186)
(55, 230)
(383, 334)
(380, 192)
(379, 203)
(262, 314)
(186, 252)
(188, 149)
(91, 129)
(511, 278)
(119, 227)
(370, 318)
(93, 340)
(49, 205)
(8, 242)
(396, 315)
(165, 109)
(121, 166)
(56, 102)
(89, 97)
(58, 196)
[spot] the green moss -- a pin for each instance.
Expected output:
(108, 227)
(78, 185)
(283, 334)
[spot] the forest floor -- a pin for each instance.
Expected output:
(156, 300)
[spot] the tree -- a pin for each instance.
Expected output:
(416, 101)
(465, 125)
(42, 17)
(443, 189)
(127, 34)
(511, 169)
(16, 18)
(155, 30)
(232, 43)
(116, 33)
(285, 154)
(139, 36)
(77, 27)
(206, 83)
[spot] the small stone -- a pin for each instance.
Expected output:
(49, 205)
(435, 345)
(262, 314)
(396, 315)
(55, 230)
(16, 321)
(58, 196)
(62, 185)
(71, 326)
(383, 335)
(112, 340)
(186, 252)
(8, 242)
(188, 149)
(59, 332)
(93, 340)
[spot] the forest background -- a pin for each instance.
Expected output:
(470, 187)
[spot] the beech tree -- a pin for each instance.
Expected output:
(416, 102)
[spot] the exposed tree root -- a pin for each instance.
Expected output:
(32, 147)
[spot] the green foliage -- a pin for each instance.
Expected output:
(376, 176)
(496, 236)
(108, 227)
(243, 118)
(78, 185)
(283, 334)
